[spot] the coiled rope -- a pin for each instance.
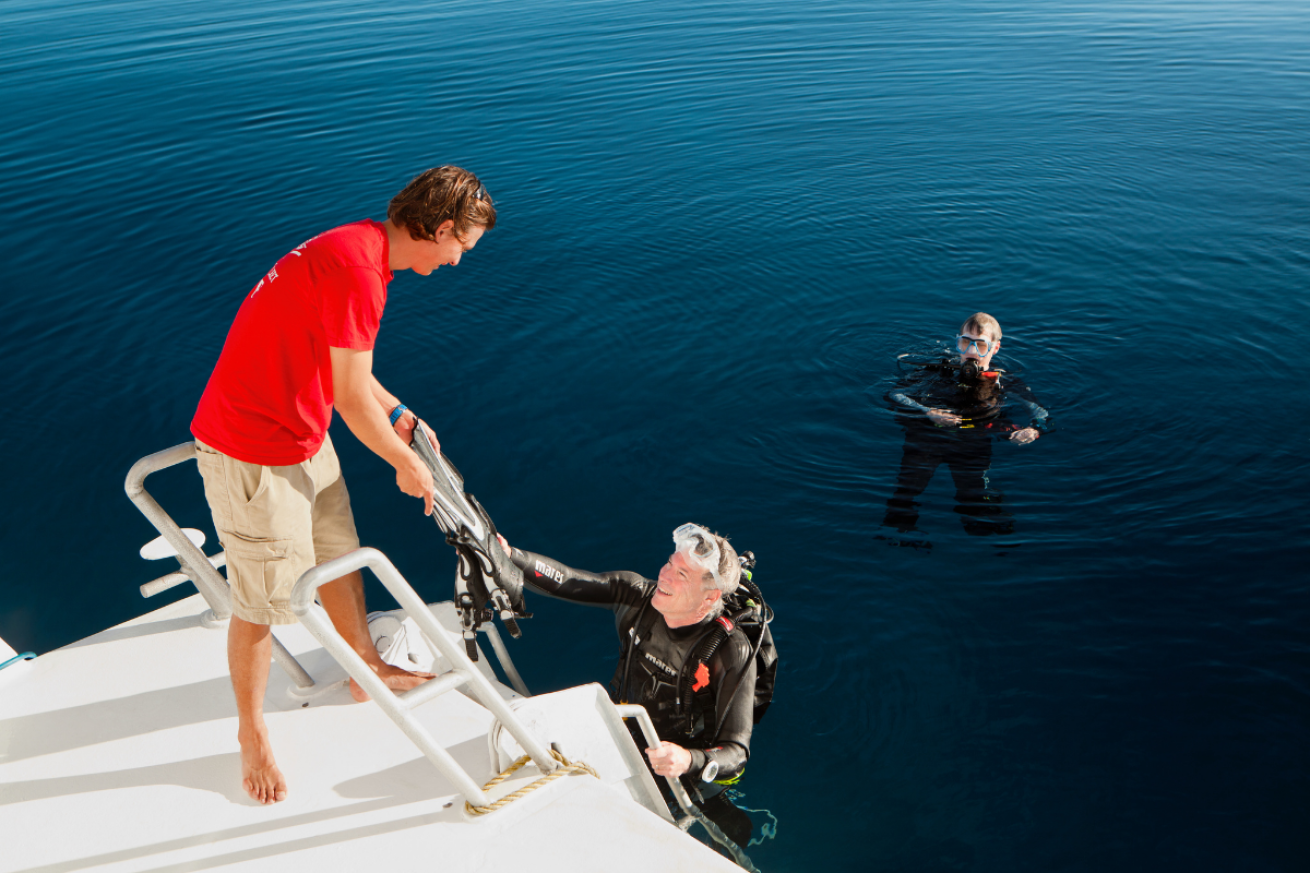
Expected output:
(565, 769)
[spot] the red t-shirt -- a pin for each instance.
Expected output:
(269, 400)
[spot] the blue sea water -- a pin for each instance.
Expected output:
(720, 224)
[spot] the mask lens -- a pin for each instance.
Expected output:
(981, 347)
(699, 546)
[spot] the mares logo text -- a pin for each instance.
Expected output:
(668, 671)
(544, 570)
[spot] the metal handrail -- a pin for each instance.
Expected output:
(631, 710)
(399, 707)
(198, 568)
(177, 577)
(211, 586)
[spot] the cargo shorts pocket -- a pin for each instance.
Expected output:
(257, 549)
(260, 576)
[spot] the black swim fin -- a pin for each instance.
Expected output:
(487, 582)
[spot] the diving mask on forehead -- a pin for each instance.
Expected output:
(700, 548)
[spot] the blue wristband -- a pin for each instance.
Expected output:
(397, 413)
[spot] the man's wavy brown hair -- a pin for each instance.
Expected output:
(442, 194)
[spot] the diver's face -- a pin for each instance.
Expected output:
(680, 592)
(977, 346)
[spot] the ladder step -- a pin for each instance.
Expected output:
(431, 689)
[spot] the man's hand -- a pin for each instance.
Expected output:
(504, 544)
(415, 479)
(669, 759)
(1026, 435)
(405, 429)
(360, 402)
(944, 418)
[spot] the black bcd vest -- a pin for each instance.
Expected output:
(668, 690)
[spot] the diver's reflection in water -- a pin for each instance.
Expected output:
(968, 455)
(951, 411)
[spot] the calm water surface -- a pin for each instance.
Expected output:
(720, 225)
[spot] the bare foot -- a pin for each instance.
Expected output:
(393, 677)
(260, 776)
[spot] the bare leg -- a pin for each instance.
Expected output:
(344, 602)
(249, 651)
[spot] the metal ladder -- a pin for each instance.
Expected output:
(692, 813)
(202, 571)
(399, 707)
(196, 567)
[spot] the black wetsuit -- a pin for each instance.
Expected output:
(966, 449)
(718, 723)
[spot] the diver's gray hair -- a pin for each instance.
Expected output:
(729, 572)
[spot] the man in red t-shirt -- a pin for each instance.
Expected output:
(301, 346)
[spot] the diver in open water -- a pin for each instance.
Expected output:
(683, 658)
(951, 411)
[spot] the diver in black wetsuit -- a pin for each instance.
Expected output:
(951, 412)
(660, 622)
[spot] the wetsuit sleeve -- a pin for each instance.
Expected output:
(615, 590)
(900, 397)
(1037, 415)
(1023, 398)
(732, 676)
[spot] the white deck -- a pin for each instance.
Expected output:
(118, 753)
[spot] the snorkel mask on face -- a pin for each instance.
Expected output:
(971, 369)
(699, 548)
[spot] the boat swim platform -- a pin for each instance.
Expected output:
(118, 753)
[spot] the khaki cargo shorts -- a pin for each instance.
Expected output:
(275, 523)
